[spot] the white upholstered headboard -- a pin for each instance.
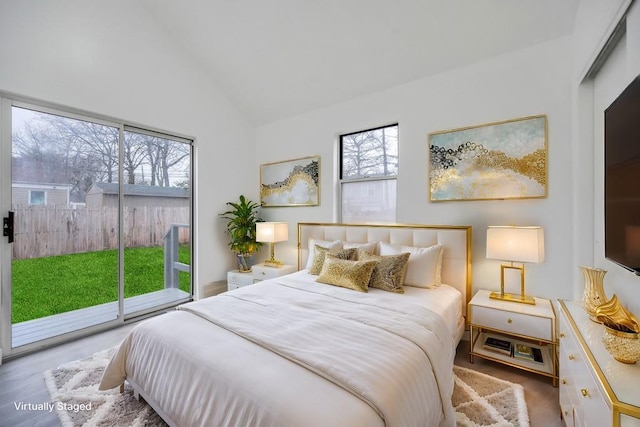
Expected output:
(456, 240)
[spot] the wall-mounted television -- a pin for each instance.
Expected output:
(622, 179)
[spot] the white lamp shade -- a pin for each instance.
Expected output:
(519, 244)
(272, 232)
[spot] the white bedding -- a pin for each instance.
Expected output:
(444, 300)
(386, 362)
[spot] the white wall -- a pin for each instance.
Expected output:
(112, 59)
(532, 81)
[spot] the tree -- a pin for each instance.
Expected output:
(370, 153)
(162, 155)
(55, 149)
(134, 154)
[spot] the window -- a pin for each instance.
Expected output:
(37, 197)
(368, 171)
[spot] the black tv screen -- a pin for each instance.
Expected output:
(622, 179)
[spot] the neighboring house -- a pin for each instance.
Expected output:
(104, 194)
(34, 194)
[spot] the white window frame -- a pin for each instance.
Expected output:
(378, 178)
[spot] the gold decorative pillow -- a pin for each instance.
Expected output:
(353, 275)
(388, 274)
(319, 254)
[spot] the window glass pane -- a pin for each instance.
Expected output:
(64, 265)
(36, 197)
(369, 201)
(370, 153)
(157, 230)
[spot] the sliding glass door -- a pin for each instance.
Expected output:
(98, 223)
(156, 215)
(64, 264)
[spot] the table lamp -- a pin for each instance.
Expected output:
(515, 244)
(272, 232)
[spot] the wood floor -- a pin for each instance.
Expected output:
(21, 381)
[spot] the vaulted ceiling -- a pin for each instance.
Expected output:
(280, 58)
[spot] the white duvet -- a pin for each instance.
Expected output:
(292, 352)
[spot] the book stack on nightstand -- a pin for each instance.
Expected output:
(519, 335)
(498, 345)
(236, 279)
(527, 352)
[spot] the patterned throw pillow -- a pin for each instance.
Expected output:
(353, 275)
(335, 244)
(424, 266)
(388, 274)
(320, 254)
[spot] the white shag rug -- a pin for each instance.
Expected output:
(482, 400)
(78, 402)
(479, 400)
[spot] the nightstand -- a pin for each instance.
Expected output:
(264, 272)
(531, 328)
(236, 279)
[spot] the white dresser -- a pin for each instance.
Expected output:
(595, 389)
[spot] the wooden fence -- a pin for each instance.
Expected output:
(42, 231)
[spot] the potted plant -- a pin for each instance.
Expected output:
(241, 229)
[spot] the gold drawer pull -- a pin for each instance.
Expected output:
(584, 392)
(564, 381)
(509, 320)
(571, 357)
(561, 334)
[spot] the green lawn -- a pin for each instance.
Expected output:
(45, 286)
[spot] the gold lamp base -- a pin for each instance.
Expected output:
(524, 299)
(502, 295)
(273, 263)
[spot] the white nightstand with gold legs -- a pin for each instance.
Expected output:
(522, 326)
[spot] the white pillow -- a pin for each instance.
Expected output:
(336, 244)
(370, 247)
(424, 266)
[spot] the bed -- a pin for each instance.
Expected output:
(293, 351)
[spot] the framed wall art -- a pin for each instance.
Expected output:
(290, 182)
(501, 160)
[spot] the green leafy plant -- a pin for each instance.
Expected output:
(241, 226)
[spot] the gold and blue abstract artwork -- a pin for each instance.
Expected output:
(501, 160)
(290, 183)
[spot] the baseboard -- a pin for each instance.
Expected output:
(215, 288)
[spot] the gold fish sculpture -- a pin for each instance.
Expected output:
(615, 316)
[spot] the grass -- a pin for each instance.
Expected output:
(52, 285)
